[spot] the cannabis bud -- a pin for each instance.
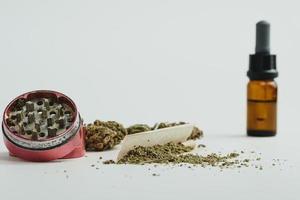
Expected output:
(104, 135)
(138, 128)
(167, 125)
(196, 133)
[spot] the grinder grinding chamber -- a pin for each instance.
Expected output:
(43, 125)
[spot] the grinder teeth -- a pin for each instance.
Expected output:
(29, 106)
(21, 128)
(34, 135)
(40, 118)
(50, 121)
(43, 113)
(62, 122)
(37, 127)
(19, 116)
(30, 117)
(52, 131)
(60, 110)
(46, 104)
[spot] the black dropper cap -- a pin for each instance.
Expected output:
(262, 65)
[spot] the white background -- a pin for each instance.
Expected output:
(149, 61)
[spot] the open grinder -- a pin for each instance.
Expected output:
(43, 125)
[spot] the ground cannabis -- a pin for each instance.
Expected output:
(155, 154)
(172, 153)
(109, 162)
(103, 135)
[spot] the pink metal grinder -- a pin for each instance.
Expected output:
(43, 125)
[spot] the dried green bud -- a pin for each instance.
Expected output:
(167, 125)
(104, 135)
(138, 128)
(196, 134)
(114, 126)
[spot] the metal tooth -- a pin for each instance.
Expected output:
(31, 117)
(37, 127)
(46, 104)
(21, 128)
(51, 102)
(34, 135)
(62, 122)
(19, 116)
(42, 122)
(44, 114)
(29, 106)
(40, 115)
(52, 131)
(60, 110)
(50, 121)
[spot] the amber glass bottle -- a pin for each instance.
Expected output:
(261, 108)
(262, 89)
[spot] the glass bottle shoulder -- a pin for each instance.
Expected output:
(262, 90)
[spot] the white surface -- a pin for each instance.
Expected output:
(149, 61)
